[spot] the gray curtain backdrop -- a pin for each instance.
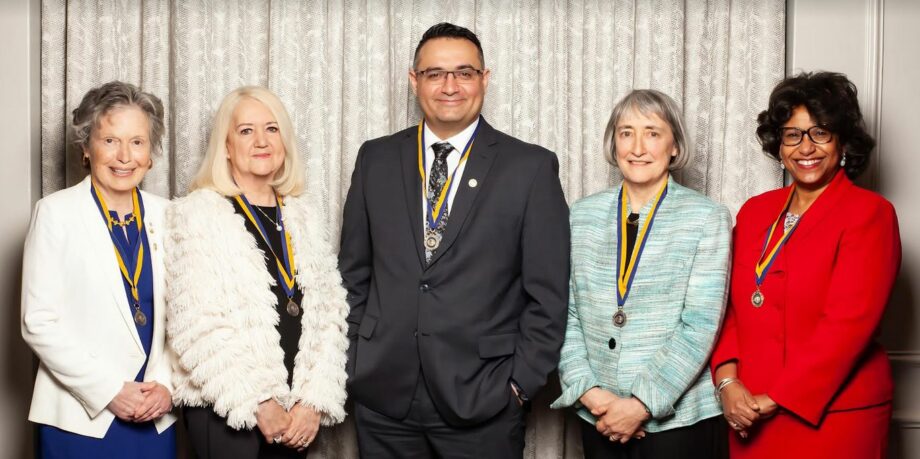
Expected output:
(340, 66)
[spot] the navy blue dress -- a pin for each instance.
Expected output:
(128, 440)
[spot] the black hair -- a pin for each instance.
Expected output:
(830, 99)
(448, 30)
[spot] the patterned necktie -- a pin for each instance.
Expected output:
(436, 179)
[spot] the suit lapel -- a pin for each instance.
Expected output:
(823, 206)
(153, 226)
(412, 184)
(97, 237)
(477, 168)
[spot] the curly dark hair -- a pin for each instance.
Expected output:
(830, 99)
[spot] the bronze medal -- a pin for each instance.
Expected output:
(619, 319)
(139, 317)
(757, 298)
(292, 308)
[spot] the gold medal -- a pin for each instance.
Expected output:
(619, 319)
(285, 263)
(436, 208)
(139, 317)
(768, 255)
(432, 241)
(292, 308)
(757, 298)
(626, 272)
(131, 279)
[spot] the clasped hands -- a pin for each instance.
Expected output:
(742, 410)
(619, 419)
(295, 428)
(141, 401)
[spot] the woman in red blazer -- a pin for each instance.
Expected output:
(796, 366)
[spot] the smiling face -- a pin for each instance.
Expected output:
(812, 166)
(119, 150)
(644, 147)
(449, 105)
(254, 145)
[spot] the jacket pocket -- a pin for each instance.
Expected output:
(497, 345)
(368, 324)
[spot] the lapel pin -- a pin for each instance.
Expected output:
(472, 183)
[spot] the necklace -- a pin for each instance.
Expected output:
(277, 224)
(632, 219)
(122, 223)
(790, 221)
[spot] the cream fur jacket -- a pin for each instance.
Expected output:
(221, 313)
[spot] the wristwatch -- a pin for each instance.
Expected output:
(521, 396)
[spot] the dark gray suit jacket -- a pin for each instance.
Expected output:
(491, 305)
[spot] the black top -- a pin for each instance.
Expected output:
(289, 327)
(632, 232)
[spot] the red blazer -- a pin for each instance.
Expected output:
(810, 346)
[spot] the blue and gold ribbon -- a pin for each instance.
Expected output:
(131, 274)
(766, 258)
(434, 211)
(626, 273)
(285, 263)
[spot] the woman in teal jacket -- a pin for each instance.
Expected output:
(650, 265)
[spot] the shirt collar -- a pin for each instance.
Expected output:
(458, 141)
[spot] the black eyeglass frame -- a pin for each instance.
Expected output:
(783, 130)
(423, 73)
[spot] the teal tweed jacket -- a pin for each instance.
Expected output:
(674, 308)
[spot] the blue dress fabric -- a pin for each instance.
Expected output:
(123, 439)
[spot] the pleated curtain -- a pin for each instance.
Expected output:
(340, 67)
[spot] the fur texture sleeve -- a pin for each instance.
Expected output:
(319, 372)
(221, 312)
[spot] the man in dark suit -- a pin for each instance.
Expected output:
(455, 254)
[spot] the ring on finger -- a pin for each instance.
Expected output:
(276, 439)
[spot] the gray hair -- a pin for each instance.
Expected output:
(100, 100)
(649, 101)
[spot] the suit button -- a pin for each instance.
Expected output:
(424, 287)
(612, 343)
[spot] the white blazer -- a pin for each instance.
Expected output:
(76, 316)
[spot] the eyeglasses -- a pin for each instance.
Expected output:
(792, 136)
(464, 75)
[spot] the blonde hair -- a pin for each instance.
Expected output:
(646, 102)
(214, 173)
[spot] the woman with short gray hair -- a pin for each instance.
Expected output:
(92, 291)
(647, 292)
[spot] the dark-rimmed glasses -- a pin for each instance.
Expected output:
(792, 136)
(439, 75)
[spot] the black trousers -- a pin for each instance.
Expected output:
(425, 434)
(211, 438)
(707, 439)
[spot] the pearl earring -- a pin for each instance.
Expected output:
(781, 165)
(843, 160)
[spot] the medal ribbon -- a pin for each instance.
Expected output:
(139, 257)
(626, 274)
(285, 266)
(764, 263)
(434, 211)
